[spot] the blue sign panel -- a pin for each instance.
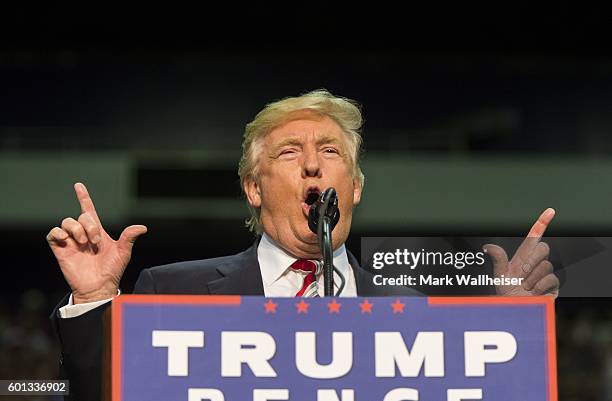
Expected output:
(231, 348)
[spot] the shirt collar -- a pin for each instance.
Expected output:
(274, 260)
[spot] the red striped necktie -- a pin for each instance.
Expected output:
(310, 288)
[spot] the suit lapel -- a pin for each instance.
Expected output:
(363, 279)
(241, 276)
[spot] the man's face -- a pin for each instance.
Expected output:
(305, 155)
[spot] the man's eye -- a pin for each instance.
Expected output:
(287, 151)
(331, 150)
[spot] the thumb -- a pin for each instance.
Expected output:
(498, 256)
(129, 236)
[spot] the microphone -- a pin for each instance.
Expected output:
(326, 205)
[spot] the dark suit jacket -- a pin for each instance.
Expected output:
(81, 337)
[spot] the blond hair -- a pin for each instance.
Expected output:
(345, 112)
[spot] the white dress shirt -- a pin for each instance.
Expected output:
(279, 280)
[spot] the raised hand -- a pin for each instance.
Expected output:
(91, 261)
(530, 262)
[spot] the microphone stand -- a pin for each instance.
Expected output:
(324, 232)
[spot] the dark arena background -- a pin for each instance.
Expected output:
(473, 126)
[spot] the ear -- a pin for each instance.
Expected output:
(357, 188)
(253, 194)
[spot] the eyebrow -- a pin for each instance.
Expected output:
(287, 141)
(326, 139)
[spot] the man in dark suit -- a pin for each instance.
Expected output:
(293, 149)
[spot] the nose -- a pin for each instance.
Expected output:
(311, 166)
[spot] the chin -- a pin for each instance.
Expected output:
(306, 236)
(310, 237)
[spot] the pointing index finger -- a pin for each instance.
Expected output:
(533, 238)
(539, 227)
(87, 205)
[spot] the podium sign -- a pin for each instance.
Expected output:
(237, 348)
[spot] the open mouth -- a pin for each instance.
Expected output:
(311, 195)
(311, 198)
